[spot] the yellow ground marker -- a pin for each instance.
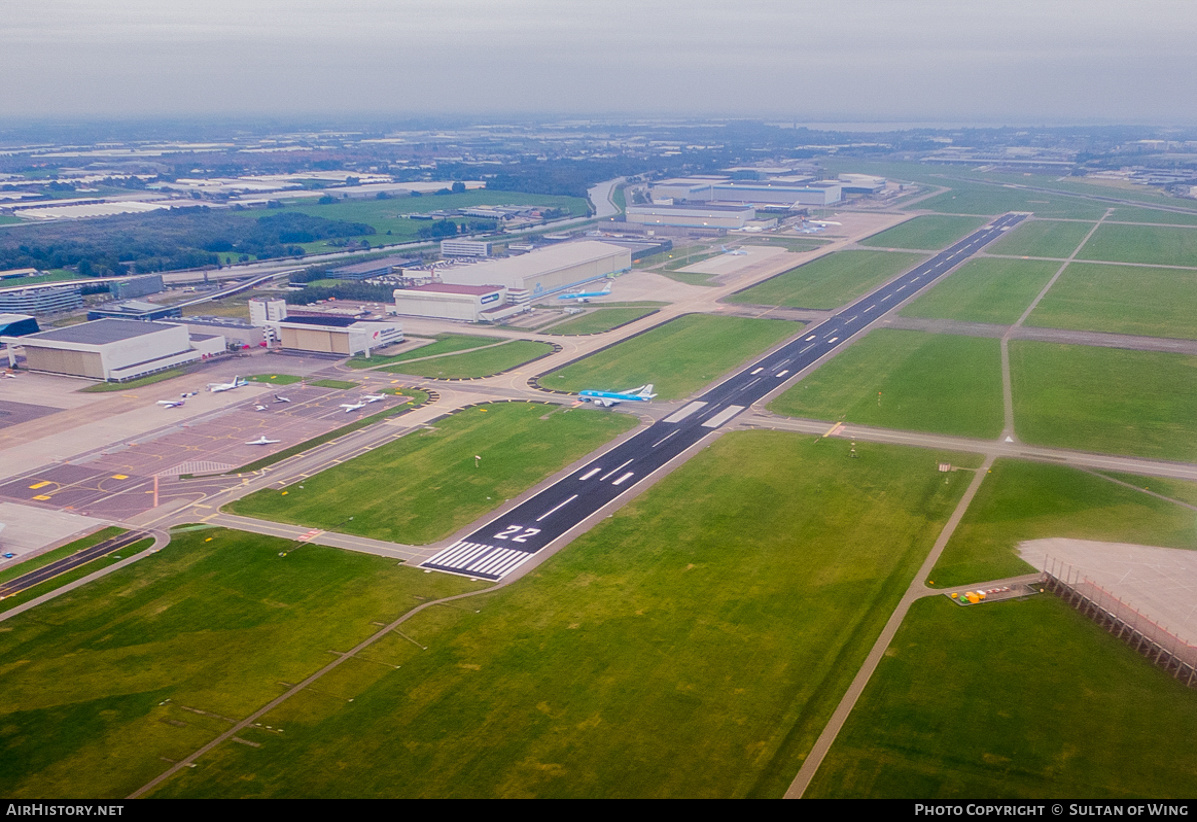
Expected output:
(119, 476)
(37, 485)
(41, 496)
(834, 429)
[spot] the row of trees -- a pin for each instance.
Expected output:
(164, 240)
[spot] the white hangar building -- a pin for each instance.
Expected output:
(546, 271)
(112, 350)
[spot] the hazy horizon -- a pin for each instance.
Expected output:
(1071, 62)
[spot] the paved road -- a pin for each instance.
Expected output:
(508, 541)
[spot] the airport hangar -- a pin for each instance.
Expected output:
(112, 350)
(547, 271)
(341, 336)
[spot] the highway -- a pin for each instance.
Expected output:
(511, 539)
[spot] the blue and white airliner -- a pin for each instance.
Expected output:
(608, 398)
(586, 296)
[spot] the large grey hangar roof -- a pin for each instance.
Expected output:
(99, 332)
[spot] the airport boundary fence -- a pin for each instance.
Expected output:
(1142, 633)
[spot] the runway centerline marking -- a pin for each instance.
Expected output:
(612, 471)
(667, 436)
(549, 513)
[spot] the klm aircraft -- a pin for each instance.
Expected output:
(608, 398)
(586, 296)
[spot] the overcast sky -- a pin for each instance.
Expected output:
(1015, 61)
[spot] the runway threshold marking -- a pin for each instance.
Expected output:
(589, 474)
(624, 477)
(551, 511)
(685, 411)
(723, 416)
(477, 559)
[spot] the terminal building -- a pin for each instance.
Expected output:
(111, 350)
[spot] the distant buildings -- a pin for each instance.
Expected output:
(466, 248)
(42, 299)
(371, 268)
(692, 215)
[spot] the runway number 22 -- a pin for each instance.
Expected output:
(511, 530)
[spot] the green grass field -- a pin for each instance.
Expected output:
(1151, 215)
(693, 645)
(1105, 399)
(599, 320)
(1042, 238)
(830, 281)
(1028, 500)
(972, 198)
(1153, 245)
(275, 379)
(929, 233)
(424, 486)
(161, 376)
(1015, 700)
(985, 290)
(444, 344)
(678, 357)
(907, 380)
(101, 688)
(1153, 302)
(472, 364)
(390, 215)
(342, 385)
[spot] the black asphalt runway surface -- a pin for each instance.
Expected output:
(513, 538)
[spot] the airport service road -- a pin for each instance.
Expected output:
(513, 538)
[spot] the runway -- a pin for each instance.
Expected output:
(513, 538)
